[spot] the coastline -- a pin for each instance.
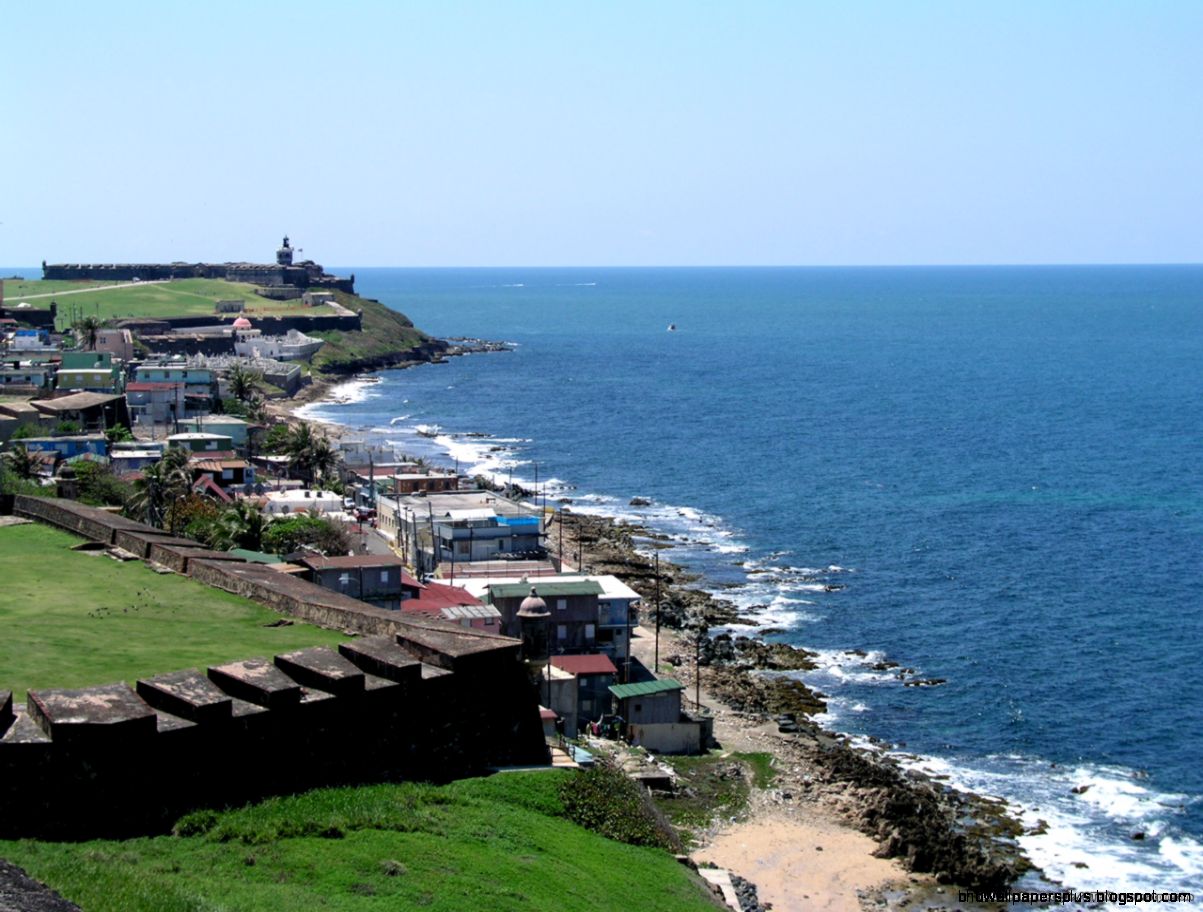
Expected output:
(886, 836)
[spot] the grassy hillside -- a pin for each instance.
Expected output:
(388, 338)
(72, 619)
(495, 844)
(178, 298)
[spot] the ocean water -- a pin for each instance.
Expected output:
(992, 476)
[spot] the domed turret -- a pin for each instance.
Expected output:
(533, 618)
(284, 254)
(242, 323)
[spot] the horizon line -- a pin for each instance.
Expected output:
(998, 265)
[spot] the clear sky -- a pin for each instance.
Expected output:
(644, 133)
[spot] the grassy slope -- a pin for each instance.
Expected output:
(183, 297)
(480, 844)
(385, 334)
(71, 619)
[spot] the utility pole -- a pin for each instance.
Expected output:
(656, 662)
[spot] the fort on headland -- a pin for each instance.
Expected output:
(282, 274)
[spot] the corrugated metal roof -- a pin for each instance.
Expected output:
(546, 589)
(585, 664)
(646, 688)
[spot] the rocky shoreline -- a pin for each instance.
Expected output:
(931, 828)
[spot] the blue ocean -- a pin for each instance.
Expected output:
(992, 476)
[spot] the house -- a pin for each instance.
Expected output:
(237, 429)
(33, 342)
(117, 342)
(227, 474)
(31, 376)
(379, 580)
(91, 446)
(156, 403)
(302, 500)
(94, 372)
(593, 675)
(91, 411)
(200, 383)
(130, 460)
(654, 718)
(617, 603)
(573, 607)
(450, 603)
(200, 442)
(459, 527)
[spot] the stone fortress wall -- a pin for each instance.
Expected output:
(404, 699)
(282, 273)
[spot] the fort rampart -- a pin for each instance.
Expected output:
(406, 699)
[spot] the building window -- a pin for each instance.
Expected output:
(589, 632)
(561, 631)
(384, 576)
(561, 604)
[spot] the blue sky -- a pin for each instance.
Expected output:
(443, 134)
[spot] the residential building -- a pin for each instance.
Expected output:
(117, 342)
(378, 580)
(593, 675)
(227, 474)
(93, 446)
(93, 372)
(302, 500)
(457, 527)
(91, 411)
(199, 382)
(202, 443)
(573, 607)
(156, 403)
(654, 718)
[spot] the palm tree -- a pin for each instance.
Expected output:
(161, 485)
(22, 462)
(243, 382)
(87, 331)
(242, 526)
(324, 458)
(312, 455)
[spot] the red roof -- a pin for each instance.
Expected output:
(585, 664)
(434, 597)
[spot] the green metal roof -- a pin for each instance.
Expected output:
(646, 688)
(548, 589)
(256, 557)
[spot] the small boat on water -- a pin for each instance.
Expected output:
(672, 327)
(428, 430)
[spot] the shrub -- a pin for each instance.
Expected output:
(603, 799)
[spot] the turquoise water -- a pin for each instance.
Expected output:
(999, 467)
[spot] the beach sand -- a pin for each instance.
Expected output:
(797, 850)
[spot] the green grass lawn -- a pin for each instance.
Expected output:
(179, 298)
(70, 619)
(480, 844)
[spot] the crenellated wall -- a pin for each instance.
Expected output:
(409, 699)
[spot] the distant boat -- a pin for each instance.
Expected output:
(428, 430)
(672, 327)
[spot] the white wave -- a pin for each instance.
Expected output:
(399, 419)
(1094, 826)
(348, 393)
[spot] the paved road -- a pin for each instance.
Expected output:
(59, 294)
